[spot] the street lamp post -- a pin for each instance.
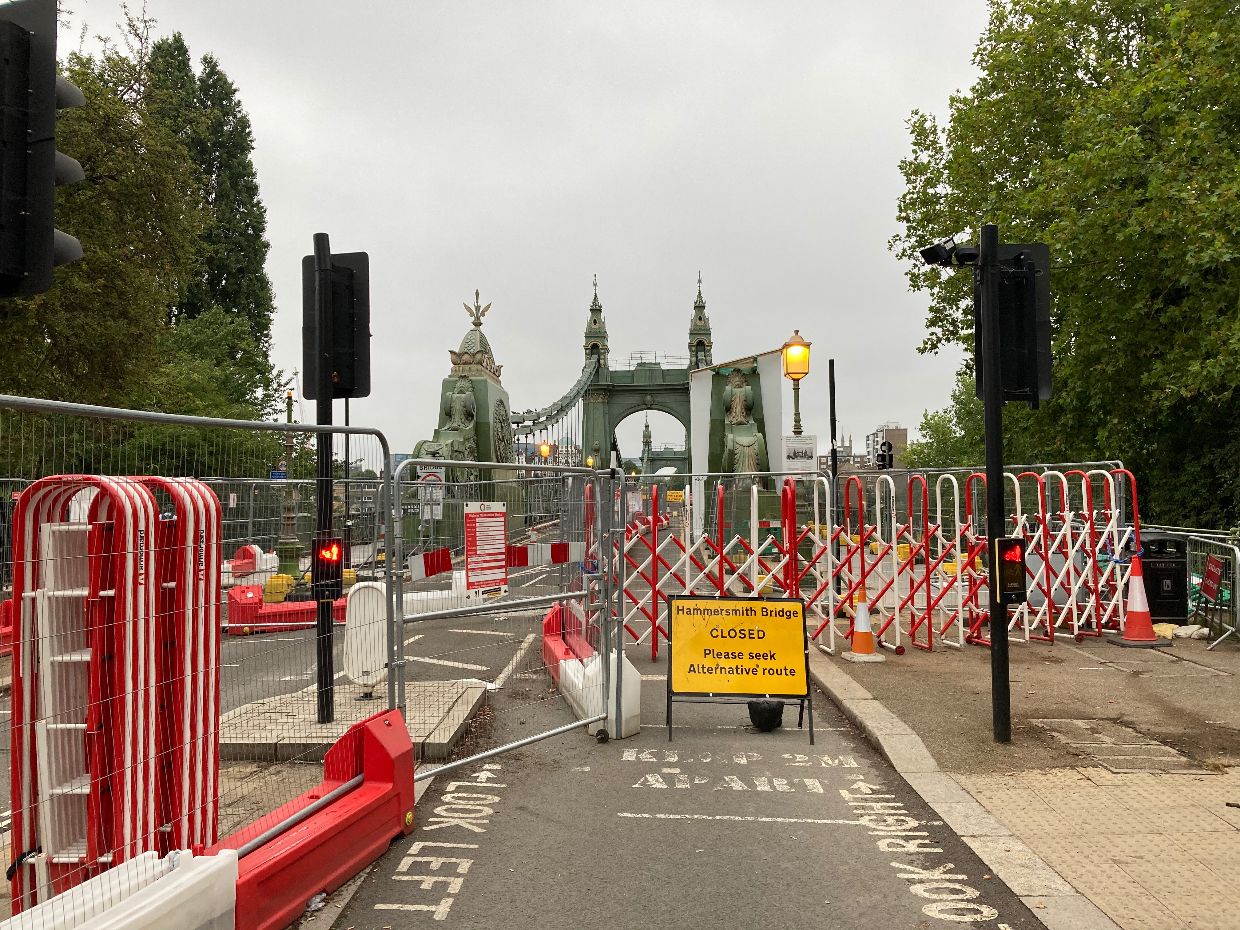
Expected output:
(288, 549)
(796, 366)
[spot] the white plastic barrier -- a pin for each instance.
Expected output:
(178, 892)
(198, 893)
(365, 634)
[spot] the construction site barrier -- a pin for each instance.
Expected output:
(138, 733)
(305, 854)
(912, 545)
(115, 676)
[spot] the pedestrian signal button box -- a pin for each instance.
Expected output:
(1010, 570)
(327, 573)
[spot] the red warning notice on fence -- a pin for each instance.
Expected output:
(1213, 577)
(486, 546)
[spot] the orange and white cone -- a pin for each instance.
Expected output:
(1138, 625)
(863, 646)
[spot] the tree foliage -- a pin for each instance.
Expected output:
(1109, 129)
(170, 309)
(205, 112)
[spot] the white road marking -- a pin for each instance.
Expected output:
(483, 633)
(738, 818)
(654, 678)
(516, 659)
(413, 639)
(448, 662)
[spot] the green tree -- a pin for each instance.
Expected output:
(97, 333)
(952, 437)
(1111, 131)
(205, 113)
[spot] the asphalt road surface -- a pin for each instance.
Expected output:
(721, 827)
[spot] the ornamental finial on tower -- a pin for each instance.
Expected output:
(477, 311)
(596, 305)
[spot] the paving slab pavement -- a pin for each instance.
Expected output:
(1109, 809)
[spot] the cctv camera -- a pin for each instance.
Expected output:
(940, 253)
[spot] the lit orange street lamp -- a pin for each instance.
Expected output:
(796, 366)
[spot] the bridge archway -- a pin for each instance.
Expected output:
(652, 439)
(615, 395)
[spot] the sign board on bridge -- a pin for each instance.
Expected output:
(430, 491)
(675, 497)
(486, 546)
(737, 647)
(800, 453)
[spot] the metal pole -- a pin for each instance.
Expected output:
(395, 629)
(835, 459)
(796, 407)
(835, 469)
(323, 410)
(348, 509)
(992, 400)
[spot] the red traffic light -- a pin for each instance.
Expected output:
(330, 552)
(1014, 553)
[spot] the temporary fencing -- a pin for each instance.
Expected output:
(1213, 566)
(505, 609)
(912, 544)
(148, 715)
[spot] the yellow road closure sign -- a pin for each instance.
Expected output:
(737, 646)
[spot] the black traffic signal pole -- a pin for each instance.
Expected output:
(323, 415)
(992, 401)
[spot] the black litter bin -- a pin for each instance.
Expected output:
(1165, 566)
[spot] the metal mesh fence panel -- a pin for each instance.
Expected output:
(492, 559)
(163, 635)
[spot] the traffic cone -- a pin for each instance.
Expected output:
(1139, 625)
(863, 649)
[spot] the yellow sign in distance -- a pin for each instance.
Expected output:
(675, 497)
(737, 646)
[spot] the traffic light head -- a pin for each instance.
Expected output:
(1009, 571)
(1023, 314)
(30, 167)
(348, 330)
(327, 569)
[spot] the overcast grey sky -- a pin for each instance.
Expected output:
(520, 148)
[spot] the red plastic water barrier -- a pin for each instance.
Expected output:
(428, 564)
(563, 639)
(6, 627)
(244, 560)
(535, 554)
(247, 614)
(333, 844)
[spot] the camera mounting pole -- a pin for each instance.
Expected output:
(987, 271)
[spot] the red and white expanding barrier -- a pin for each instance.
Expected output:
(115, 676)
(922, 576)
